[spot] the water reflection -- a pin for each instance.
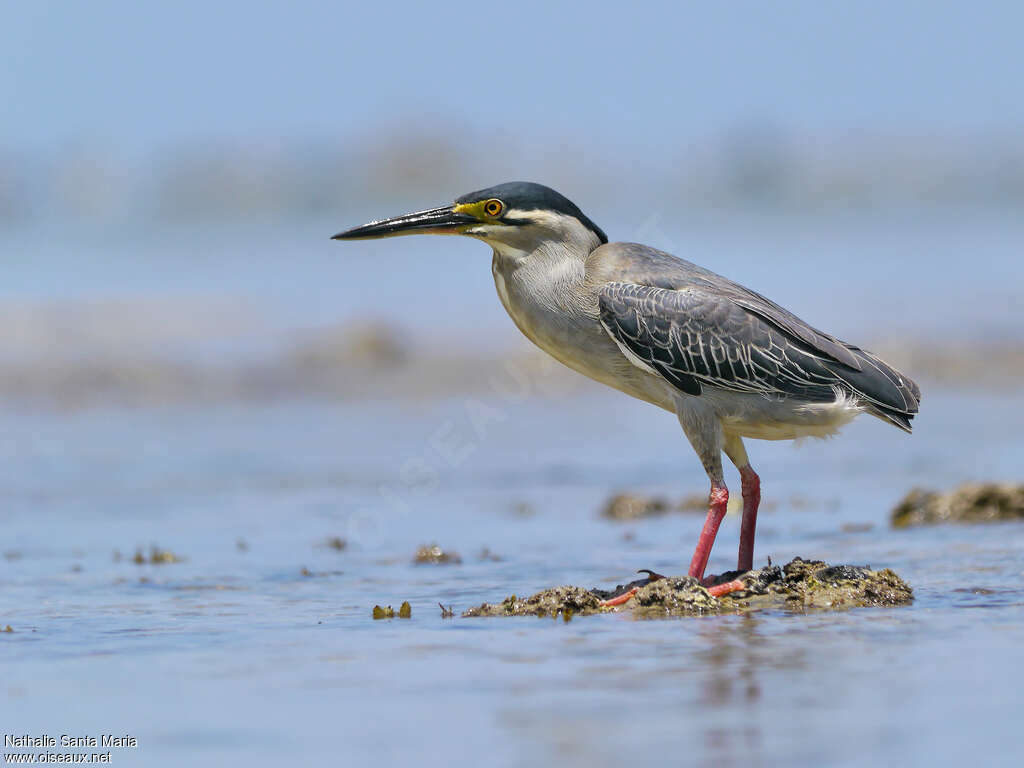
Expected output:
(737, 652)
(731, 661)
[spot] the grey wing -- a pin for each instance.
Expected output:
(642, 265)
(696, 336)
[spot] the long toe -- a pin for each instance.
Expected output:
(718, 590)
(630, 589)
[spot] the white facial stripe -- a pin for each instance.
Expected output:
(548, 219)
(569, 227)
(532, 231)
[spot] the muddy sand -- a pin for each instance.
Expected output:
(799, 585)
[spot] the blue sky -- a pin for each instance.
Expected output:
(632, 81)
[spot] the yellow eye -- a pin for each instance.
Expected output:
(493, 207)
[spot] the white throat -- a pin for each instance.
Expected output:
(549, 237)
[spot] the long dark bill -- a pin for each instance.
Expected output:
(437, 221)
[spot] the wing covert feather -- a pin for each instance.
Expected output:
(693, 337)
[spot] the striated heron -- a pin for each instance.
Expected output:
(727, 361)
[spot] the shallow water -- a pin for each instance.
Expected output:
(258, 648)
(240, 655)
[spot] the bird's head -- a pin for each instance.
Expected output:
(517, 216)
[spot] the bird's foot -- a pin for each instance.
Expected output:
(708, 582)
(631, 589)
(716, 589)
(619, 599)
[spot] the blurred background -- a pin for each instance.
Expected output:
(186, 359)
(169, 176)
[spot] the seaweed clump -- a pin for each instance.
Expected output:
(567, 601)
(157, 556)
(631, 506)
(433, 554)
(404, 611)
(797, 586)
(970, 503)
(636, 506)
(673, 597)
(814, 584)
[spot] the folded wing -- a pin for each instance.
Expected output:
(728, 337)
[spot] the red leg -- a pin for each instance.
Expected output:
(751, 499)
(718, 502)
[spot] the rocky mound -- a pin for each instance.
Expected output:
(971, 503)
(798, 585)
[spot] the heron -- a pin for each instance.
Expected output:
(728, 362)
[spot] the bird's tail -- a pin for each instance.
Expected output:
(884, 391)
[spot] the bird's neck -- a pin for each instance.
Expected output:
(529, 281)
(546, 255)
(544, 289)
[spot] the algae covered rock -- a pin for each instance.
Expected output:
(626, 507)
(157, 556)
(551, 602)
(971, 503)
(632, 506)
(800, 585)
(674, 597)
(404, 611)
(433, 554)
(814, 584)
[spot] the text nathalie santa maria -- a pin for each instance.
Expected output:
(65, 740)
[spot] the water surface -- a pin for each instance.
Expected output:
(259, 647)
